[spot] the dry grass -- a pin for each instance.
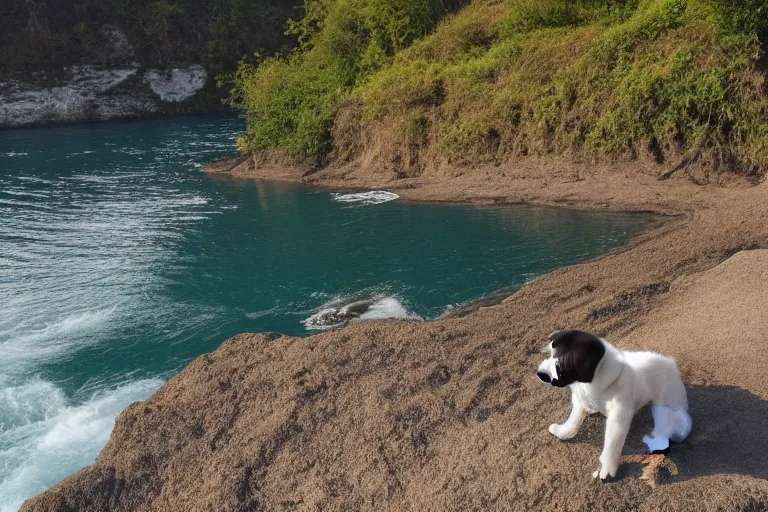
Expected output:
(652, 465)
(657, 85)
(657, 81)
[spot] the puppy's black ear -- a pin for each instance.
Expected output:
(586, 355)
(562, 340)
(578, 353)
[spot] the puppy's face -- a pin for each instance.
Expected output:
(573, 357)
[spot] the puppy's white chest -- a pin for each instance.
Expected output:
(586, 399)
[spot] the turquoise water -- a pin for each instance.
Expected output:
(120, 261)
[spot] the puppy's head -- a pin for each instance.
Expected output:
(573, 357)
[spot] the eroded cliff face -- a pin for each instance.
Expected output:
(92, 93)
(449, 414)
(83, 93)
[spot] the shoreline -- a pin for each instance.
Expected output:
(448, 414)
(242, 168)
(213, 111)
(537, 182)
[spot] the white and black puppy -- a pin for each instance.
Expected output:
(617, 384)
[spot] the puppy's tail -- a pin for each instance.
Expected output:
(673, 423)
(680, 425)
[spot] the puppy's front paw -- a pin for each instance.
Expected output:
(600, 472)
(558, 431)
(606, 469)
(561, 431)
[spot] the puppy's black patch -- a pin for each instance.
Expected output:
(578, 353)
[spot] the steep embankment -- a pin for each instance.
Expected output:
(675, 84)
(93, 93)
(448, 415)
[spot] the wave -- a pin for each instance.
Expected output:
(80, 153)
(388, 307)
(22, 405)
(365, 198)
(258, 314)
(43, 438)
(80, 321)
(23, 343)
(25, 193)
(339, 312)
(191, 218)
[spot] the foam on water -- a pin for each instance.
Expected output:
(382, 307)
(365, 198)
(26, 343)
(388, 307)
(28, 403)
(44, 438)
(315, 322)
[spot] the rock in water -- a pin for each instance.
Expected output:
(336, 316)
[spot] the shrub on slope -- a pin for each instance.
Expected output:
(596, 79)
(291, 102)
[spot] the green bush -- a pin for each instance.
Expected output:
(742, 16)
(600, 79)
(291, 102)
(288, 105)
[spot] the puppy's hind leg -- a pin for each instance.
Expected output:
(571, 426)
(659, 438)
(669, 423)
(616, 429)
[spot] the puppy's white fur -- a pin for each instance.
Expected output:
(623, 383)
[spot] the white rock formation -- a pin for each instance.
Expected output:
(90, 93)
(177, 84)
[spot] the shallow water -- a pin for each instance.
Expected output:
(120, 261)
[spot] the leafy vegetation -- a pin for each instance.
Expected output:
(291, 102)
(596, 79)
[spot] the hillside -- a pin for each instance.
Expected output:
(666, 83)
